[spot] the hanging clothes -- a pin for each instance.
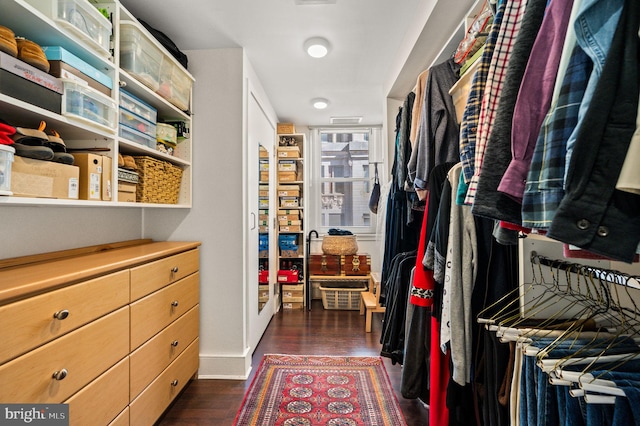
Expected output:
(534, 95)
(471, 114)
(545, 181)
(593, 215)
(401, 235)
(511, 23)
(438, 134)
(396, 296)
(488, 201)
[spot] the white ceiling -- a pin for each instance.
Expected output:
(371, 41)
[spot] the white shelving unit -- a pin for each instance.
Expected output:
(290, 163)
(25, 18)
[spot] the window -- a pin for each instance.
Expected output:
(344, 181)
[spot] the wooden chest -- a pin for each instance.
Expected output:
(356, 264)
(324, 264)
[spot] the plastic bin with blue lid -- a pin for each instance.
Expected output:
(137, 106)
(137, 137)
(136, 122)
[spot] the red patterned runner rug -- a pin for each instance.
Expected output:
(303, 390)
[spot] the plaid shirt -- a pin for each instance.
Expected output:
(545, 182)
(469, 125)
(513, 14)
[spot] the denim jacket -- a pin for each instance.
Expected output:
(593, 215)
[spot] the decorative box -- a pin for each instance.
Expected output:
(358, 264)
(324, 264)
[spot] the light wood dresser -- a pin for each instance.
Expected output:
(111, 330)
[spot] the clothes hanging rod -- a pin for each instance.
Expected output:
(608, 275)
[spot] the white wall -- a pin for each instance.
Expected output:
(26, 230)
(219, 216)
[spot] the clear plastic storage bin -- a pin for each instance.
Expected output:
(89, 105)
(175, 85)
(129, 119)
(138, 137)
(80, 17)
(139, 55)
(138, 107)
(167, 133)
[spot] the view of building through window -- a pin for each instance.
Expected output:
(345, 181)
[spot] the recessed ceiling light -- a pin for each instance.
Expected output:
(316, 47)
(320, 103)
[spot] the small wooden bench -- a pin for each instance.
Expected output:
(370, 300)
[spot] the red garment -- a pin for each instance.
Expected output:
(423, 283)
(514, 227)
(439, 375)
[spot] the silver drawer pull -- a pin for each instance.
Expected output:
(174, 383)
(174, 270)
(61, 374)
(174, 343)
(174, 303)
(61, 314)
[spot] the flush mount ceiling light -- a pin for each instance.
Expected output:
(320, 103)
(316, 47)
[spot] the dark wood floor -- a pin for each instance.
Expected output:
(315, 332)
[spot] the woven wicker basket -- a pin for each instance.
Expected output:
(339, 244)
(159, 181)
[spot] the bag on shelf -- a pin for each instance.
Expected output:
(167, 43)
(375, 193)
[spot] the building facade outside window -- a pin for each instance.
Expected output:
(344, 177)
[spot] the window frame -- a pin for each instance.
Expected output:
(316, 180)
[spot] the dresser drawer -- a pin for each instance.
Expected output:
(154, 400)
(152, 276)
(102, 400)
(122, 419)
(151, 314)
(84, 354)
(155, 355)
(29, 323)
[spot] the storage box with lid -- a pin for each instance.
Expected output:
(341, 298)
(138, 137)
(83, 103)
(287, 176)
(356, 264)
(64, 64)
(82, 19)
(136, 122)
(175, 84)
(285, 128)
(137, 106)
(288, 152)
(288, 190)
(6, 159)
(287, 166)
(139, 55)
(166, 133)
(45, 179)
(29, 84)
(292, 293)
(288, 202)
(324, 264)
(91, 170)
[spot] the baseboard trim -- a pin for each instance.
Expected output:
(226, 366)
